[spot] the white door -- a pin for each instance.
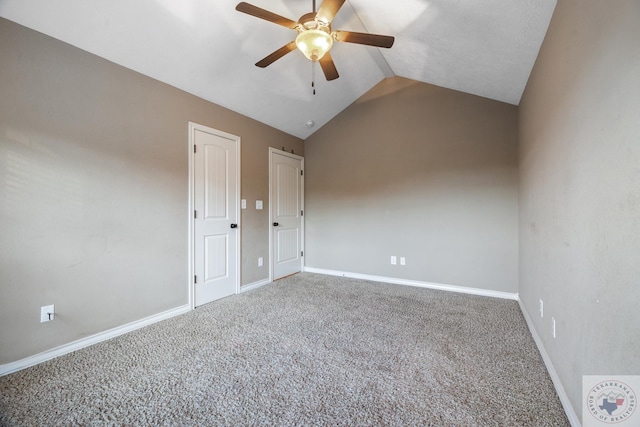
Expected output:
(216, 194)
(286, 189)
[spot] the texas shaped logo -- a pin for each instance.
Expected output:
(611, 403)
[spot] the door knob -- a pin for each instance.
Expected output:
(275, 224)
(234, 225)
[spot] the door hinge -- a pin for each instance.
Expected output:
(301, 213)
(301, 172)
(195, 214)
(195, 279)
(194, 148)
(301, 253)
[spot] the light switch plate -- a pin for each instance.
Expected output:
(243, 202)
(258, 204)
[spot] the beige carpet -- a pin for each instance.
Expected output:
(308, 350)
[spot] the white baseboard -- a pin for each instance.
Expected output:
(254, 285)
(419, 284)
(8, 368)
(562, 394)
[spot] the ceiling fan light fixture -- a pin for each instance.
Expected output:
(314, 43)
(315, 37)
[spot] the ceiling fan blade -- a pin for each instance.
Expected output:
(270, 59)
(328, 67)
(328, 10)
(252, 10)
(364, 38)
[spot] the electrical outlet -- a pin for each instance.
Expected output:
(541, 308)
(47, 313)
(393, 260)
(553, 325)
(260, 261)
(403, 261)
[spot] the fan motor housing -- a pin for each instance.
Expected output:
(308, 21)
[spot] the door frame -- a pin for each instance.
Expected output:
(273, 151)
(191, 207)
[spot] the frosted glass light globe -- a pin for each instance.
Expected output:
(314, 43)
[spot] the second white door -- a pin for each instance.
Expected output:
(286, 174)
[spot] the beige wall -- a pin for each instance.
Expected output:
(93, 192)
(580, 191)
(417, 171)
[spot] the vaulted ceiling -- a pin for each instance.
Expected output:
(209, 49)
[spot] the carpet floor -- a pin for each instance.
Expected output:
(307, 350)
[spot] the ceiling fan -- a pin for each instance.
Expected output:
(315, 36)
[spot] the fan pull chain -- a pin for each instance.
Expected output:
(313, 63)
(313, 76)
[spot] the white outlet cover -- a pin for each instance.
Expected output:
(243, 203)
(403, 261)
(258, 204)
(393, 260)
(44, 313)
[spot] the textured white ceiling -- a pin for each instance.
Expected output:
(207, 48)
